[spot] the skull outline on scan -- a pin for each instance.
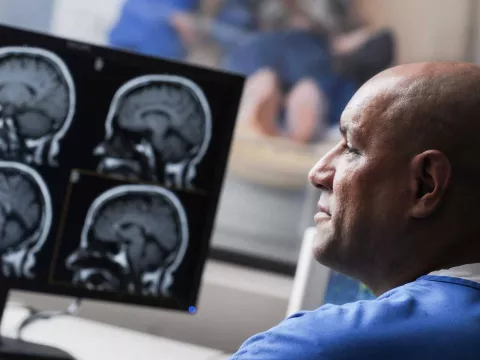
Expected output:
(37, 104)
(158, 129)
(133, 239)
(25, 218)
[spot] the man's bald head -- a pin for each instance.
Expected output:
(428, 105)
(399, 189)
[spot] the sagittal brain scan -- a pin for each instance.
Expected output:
(37, 104)
(25, 219)
(133, 239)
(158, 129)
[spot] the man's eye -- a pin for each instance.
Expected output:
(349, 150)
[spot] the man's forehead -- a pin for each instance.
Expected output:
(370, 100)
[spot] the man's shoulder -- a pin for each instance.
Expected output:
(331, 330)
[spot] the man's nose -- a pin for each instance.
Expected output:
(322, 173)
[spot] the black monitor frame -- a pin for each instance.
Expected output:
(229, 83)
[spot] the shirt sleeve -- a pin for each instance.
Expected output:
(289, 340)
(351, 331)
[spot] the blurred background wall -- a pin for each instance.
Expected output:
(35, 15)
(88, 20)
(426, 29)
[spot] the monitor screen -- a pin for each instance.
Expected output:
(111, 166)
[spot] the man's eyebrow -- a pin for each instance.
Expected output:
(343, 129)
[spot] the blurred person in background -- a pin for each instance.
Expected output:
(304, 59)
(304, 64)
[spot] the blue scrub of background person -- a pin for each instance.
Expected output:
(145, 26)
(234, 24)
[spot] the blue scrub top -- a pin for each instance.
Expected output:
(434, 317)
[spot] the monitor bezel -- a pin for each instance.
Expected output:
(234, 82)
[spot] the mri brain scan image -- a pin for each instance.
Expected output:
(25, 219)
(158, 129)
(133, 239)
(37, 104)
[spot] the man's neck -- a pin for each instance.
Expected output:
(453, 257)
(459, 254)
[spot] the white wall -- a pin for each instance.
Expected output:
(425, 29)
(32, 15)
(257, 220)
(84, 20)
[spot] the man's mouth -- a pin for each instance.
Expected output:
(324, 209)
(322, 214)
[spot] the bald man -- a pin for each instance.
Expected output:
(398, 211)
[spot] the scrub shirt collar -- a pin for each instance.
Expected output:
(467, 272)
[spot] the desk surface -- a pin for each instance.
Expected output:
(89, 340)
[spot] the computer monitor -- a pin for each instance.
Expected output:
(111, 166)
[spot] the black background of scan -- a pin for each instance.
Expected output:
(94, 92)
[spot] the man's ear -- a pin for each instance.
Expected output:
(430, 179)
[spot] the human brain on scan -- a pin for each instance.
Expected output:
(169, 114)
(37, 100)
(25, 218)
(134, 237)
(158, 129)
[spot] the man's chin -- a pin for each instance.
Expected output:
(320, 253)
(324, 247)
(328, 251)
